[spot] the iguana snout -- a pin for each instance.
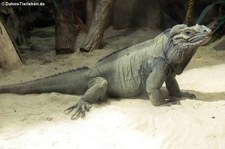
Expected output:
(201, 35)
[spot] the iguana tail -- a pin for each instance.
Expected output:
(70, 82)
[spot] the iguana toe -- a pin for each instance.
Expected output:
(80, 109)
(171, 102)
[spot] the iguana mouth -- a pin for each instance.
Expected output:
(202, 38)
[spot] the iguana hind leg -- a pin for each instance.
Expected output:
(96, 92)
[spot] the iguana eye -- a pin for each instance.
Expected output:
(188, 33)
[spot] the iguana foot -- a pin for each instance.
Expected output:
(184, 95)
(187, 95)
(80, 109)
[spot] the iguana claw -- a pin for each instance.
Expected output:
(80, 109)
(171, 102)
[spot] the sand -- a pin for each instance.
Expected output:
(38, 121)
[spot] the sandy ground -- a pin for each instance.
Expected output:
(38, 121)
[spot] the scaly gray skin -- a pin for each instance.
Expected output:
(140, 68)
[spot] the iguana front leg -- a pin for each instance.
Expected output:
(174, 90)
(97, 90)
(155, 81)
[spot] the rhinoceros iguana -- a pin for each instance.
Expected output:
(129, 72)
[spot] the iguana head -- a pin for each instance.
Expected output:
(183, 40)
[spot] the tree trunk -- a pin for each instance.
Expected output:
(95, 35)
(9, 58)
(90, 12)
(66, 30)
